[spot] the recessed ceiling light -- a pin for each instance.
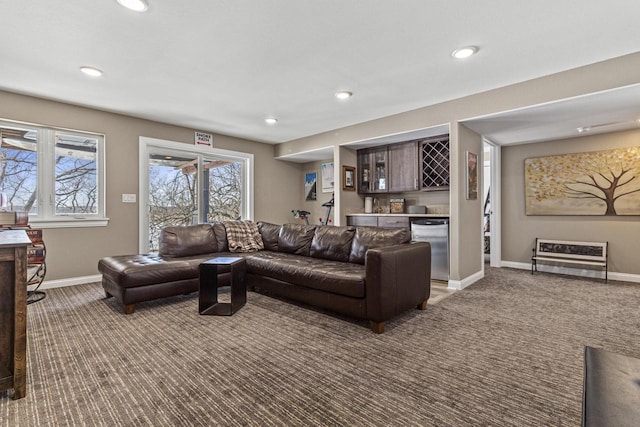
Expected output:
(91, 71)
(343, 94)
(464, 52)
(135, 5)
(271, 120)
(583, 129)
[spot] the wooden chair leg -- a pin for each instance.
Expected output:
(422, 305)
(129, 308)
(377, 327)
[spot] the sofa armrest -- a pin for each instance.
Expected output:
(397, 279)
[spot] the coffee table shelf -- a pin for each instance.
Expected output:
(208, 296)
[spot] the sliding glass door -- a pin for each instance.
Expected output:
(172, 193)
(183, 185)
(222, 190)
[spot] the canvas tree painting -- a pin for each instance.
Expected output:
(591, 183)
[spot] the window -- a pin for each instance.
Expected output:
(182, 184)
(56, 175)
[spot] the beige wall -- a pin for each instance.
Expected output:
(519, 230)
(345, 201)
(315, 207)
(467, 222)
(597, 77)
(74, 252)
(348, 201)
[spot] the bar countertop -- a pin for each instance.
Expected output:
(427, 215)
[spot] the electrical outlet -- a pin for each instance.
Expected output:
(128, 198)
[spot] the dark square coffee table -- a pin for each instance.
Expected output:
(208, 297)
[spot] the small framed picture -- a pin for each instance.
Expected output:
(327, 177)
(310, 179)
(472, 175)
(348, 178)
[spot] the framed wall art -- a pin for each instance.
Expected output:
(327, 177)
(472, 175)
(348, 178)
(310, 180)
(590, 183)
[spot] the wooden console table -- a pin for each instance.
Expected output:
(13, 311)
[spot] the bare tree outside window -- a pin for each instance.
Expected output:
(173, 193)
(18, 168)
(55, 175)
(76, 177)
(225, 191)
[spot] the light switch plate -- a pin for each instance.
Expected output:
(128, 198)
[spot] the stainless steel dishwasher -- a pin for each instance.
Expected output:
(436, 232)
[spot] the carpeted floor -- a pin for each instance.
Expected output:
(507, 351)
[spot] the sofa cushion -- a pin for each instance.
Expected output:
(180, 241)
(221, 236)
(296, 239)
(374, 237)
(332, 243)
(342, 278)
(270, 234)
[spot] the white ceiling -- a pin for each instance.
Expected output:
(223, 66)
(609, 111)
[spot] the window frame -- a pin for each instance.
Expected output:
(46, 216)
(147, 145)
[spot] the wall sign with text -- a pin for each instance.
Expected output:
(204, 139)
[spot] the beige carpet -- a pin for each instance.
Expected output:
(506, 351)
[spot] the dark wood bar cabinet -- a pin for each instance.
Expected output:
(13, 311)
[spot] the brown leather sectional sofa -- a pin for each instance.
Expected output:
(364, 272)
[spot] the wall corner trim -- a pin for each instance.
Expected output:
(459, 285)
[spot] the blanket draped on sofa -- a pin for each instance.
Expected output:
(243, 236)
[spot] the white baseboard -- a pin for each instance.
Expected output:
(60, 283)
(458, 285)
(598, 274)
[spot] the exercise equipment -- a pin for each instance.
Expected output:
(328, 205)
(302, 215)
